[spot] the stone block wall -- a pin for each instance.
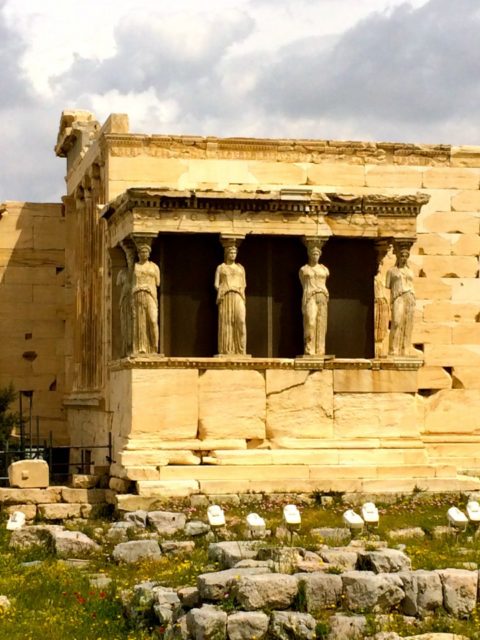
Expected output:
(54, 503)
(32, 309)
(287, 428)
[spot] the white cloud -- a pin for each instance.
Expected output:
(369, 69)
(144, 108)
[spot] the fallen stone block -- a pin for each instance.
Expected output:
(227, 554)
(245, 625)
(136, 550)
(34, 536)
(167, 523)
(460, 589)
(423, 592)
(178, 630)
(59, 511)
(291, 625)
(320, 590)
(189, 597)
(119, 531)
(69, 544)
(284, 559)
(266, 591)
(207, 623)
(138, 518)
(367, 591)
(175, 548)
(342, 558)
(344, 627)
(216, 585)
(196, 528)
(384, 561)
(29, 474)
(84, 481)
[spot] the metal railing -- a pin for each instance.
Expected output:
(28, 446)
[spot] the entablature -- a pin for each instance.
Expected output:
(283, 212)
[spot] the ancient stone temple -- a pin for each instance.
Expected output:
(263, 315)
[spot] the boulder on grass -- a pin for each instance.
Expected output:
(136, 550)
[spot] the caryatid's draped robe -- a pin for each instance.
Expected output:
(402, 297)
(314, 307)
(230, 284)
(146, 279)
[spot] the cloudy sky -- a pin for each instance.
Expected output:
(403, 70)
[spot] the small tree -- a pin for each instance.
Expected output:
(8, 419)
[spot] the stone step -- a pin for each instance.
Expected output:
(302, 472)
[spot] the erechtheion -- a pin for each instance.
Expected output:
(251, 314)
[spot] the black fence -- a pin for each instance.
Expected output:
(62, 460)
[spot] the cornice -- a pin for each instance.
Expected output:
(288, 201)
(299, 150)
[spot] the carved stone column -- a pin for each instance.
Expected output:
(125, 305)
(399, 280)
(381, 302)
(230, 283)
(145, 280)
(313, 277)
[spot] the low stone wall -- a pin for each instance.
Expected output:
(263, 602)
(53, 503)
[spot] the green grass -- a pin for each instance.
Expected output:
(55, 602)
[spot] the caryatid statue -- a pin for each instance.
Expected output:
(313, 277)
(399, 280)
(146, 280)
(382, 304)
(125, 281)
(230, 284)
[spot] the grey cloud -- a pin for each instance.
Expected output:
(27, 166)
(151, 54)
(14, 87)
(411, 66)
(29, 169)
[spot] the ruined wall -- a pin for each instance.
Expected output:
(32, 310)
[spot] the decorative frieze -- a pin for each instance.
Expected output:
(289, 150)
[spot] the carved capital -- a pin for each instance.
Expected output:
(312, 242)
(141, 239)
(402, 244)
(231, 240)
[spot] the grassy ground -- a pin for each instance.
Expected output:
(54, 601)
